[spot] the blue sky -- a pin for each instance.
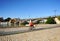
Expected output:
(26, 8)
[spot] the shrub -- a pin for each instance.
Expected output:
(50, 20)
(24, 23)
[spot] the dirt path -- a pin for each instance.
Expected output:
(10, 31)
(39, 35)
(43, 34)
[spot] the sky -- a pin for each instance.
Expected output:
(29, 8)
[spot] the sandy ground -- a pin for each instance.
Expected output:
(52, 34)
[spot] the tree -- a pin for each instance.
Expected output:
(1, 19)
(50, 20)
(7, 19)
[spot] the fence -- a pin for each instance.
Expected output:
(7, 24)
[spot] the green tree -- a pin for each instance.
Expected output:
(7, 19)
(50, 20)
